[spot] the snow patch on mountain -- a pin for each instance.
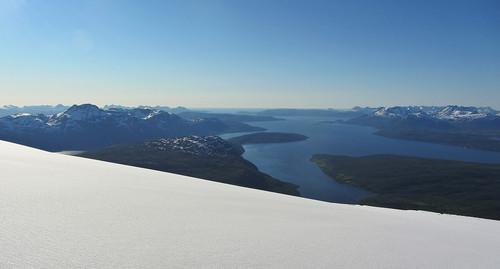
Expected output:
(20, 115)
(146, 113)
(196, 145)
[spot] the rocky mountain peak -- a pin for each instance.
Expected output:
(82, 112)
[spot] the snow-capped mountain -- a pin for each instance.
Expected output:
(464, 113)
(174, 110)
(469, 127)
(400, 112)
(62, 211)
(83, 127)
(450, 113)
(431, 117)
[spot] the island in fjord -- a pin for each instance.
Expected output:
(267, 137)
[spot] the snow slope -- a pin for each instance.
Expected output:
(64, 211)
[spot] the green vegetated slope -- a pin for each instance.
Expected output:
(267, 137)
(228, 168)
(453, 187)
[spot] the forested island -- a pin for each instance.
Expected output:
(452, 187)
(267, 137)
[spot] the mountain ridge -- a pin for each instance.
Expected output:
(470, 127)
(84, 127)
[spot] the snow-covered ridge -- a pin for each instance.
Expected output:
(450, 113)
(196, 145)
(61, 211)
(456, 112)
(7, 110)
(84, 127)
(399, 112)
(80, 113)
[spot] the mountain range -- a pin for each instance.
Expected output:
(85, 127)
(330, 112)
(470, 127)
(44, 109)
(51, 110)
(449, 116)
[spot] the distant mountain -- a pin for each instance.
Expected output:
(225, 116)
(207, 157)
(444, 117)
(471, 127)
(174, 110)
(350, 113)
(88, 127)
(468, 114)
(399, 117)
(46, 110)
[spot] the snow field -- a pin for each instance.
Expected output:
(59, 211)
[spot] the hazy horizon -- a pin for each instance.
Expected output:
(262, 54)
(236, 108)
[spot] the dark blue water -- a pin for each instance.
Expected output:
(290, 161)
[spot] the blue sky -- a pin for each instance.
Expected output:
(314, 54)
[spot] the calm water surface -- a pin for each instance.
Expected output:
(290, 161)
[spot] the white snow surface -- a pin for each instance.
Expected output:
(20, 115)
(59, 211)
